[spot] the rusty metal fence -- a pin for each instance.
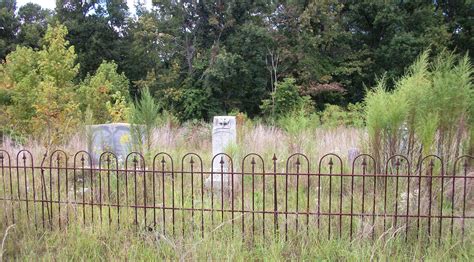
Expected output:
(288, 198)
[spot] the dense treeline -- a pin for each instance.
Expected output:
(201, 58)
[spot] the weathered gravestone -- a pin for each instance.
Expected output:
(224, 133)
(115, 138)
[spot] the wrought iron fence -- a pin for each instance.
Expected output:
(290, 198)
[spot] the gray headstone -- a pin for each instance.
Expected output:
(224, 133)
(115, 138)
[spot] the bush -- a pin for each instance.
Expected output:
(105, 94)
(285, 100)
(429, 112)
(297, 122)
(334, 115)
(145, 116)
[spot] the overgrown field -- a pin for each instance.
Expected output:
(102, 243)
(222, 241)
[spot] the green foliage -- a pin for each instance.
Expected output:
(117, 107)
(200, 59)
(427, 112)
(285, 100)
(297, 122)
(42, 89)
(145, 116)
(9, 26)
(385, 114)
(33, 24)
(95, 30)
(105, 93)
(335, 116)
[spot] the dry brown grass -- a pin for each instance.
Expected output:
(259, 138)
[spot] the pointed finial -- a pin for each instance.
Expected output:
(397, 163)
(191, 161)
(253, 161)
(222, 160)
(432, 163)
(274, 157)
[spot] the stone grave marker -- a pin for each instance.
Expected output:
(224, 133)
(115, 138)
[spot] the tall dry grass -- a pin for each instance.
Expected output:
(258, 138)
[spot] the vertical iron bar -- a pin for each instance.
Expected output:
(397, 168)
(26, 186)
(253, 198)
(135, 189)
(275, 202)
(222, 189)
(243, 200)
(145, 207)
(192, 195)
(232, 200)
(464, 200)
(408, 207)
(330, 198)
(419, 202)
(182, 202)
(441, 205)
(430, 182)
(92, 192)
(59, 192)
(163, 194)
(340, 204)
(286, 205)
(173, 206)
(373, 202)
(108, 188)
(153, 181)
(297, 190)
(202, 202)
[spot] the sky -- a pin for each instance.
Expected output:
(51, 4)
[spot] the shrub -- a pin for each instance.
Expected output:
(41, 85)
(297, 122)
(105, 94)
(428, 112)
(334, 115)
(144, 118)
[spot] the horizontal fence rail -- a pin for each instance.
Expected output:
(290, 198)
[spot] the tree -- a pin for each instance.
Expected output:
(41, 82)
(8, 27)
(286, 100)
(33, 24)
(95, 30)
(144, 117)
(104, 90)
